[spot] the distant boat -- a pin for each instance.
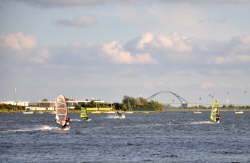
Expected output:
(215, 113)
(238, 112)
(28, 111)
(61, 110)
(197, 112)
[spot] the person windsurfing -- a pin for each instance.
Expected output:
(119, 114)
(61, 109)
(84, 114)
(215, 114)
(66, 125)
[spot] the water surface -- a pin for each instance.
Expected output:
(165, 137)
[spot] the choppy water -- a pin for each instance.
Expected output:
(165, 137)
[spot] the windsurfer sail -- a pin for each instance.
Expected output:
(215, 114)
(61, 109)
(84, 115)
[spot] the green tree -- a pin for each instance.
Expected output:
(131, 102)
(156, 105)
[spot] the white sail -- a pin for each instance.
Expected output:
(61, 111)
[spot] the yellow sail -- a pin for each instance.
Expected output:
(84, 113)
(215, 114)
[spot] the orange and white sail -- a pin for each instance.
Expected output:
(61, 110)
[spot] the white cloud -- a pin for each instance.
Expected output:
(41, 57)
(238, 52)
(224, 72)
(241, 44)
(233, 59)
(174, 42)
(149, 48)
(165, 48)
(82, 21)
(117, 54)
(23, 49)
(245, 40)
(145, 39)
(18, 41)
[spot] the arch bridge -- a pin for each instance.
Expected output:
(183, 101)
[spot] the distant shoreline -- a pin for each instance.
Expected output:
(145, 112)
(206, 109)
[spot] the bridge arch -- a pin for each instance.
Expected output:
(183, 101)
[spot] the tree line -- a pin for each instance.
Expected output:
(139, 102)
(128, 103)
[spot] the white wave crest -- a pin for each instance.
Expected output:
(37, 128)
(201, 122)
(116, 116)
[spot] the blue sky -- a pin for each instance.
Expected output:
(108, 49)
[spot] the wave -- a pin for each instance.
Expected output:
(37, 128)
(202, 122)
(116, 116)
(75, 120)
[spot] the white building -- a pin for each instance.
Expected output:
(18, 103)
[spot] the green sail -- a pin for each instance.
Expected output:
(84, 113)
(215, 114)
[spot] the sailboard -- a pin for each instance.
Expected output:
(215, 113)
(61, 111)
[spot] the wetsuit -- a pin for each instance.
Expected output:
(67, 123)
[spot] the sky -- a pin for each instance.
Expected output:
(106, 49)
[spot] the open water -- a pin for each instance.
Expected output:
(165, 137)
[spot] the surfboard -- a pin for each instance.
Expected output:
(61, 111)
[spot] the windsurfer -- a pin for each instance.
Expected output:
(119, 113)
(217, 116)
(84, 114)
(67, 123)
(215, 113)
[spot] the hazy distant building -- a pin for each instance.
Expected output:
(45, 105)
(18, 103)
